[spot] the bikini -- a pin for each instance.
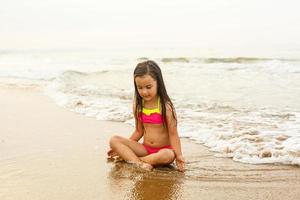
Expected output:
(152, 116)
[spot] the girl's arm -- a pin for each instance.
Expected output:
(138, 132)
(136, 135)
(174, 138)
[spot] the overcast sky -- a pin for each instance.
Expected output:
(155, 23)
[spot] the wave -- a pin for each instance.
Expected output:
(236, 60)
(74, 73)
(240, 60)
(179, 59)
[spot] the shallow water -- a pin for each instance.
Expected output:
(240, 107)
(63, 156)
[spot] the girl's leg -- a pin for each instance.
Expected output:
(163, 157)
(127, 149)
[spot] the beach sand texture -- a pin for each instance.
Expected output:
(48, 152)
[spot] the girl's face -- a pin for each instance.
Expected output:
(147, 87)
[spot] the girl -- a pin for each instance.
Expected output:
(155, 119)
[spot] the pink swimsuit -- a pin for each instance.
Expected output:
(152, 116)
(151, 150)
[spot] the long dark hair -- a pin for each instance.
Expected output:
(151, 68)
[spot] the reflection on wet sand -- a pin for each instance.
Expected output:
(161, 183)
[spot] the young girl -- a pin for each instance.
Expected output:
(155, 119)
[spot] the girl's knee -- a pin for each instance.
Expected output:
(167, 156)
(115, 139)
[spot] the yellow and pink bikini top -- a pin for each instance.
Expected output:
(151, 116)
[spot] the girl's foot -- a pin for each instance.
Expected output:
(142, 165)
(146, 166)
(118, 159)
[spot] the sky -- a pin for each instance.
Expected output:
(155, 23)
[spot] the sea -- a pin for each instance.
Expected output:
(246, 108)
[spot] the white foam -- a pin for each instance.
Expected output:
(258, 136)
(53, 91)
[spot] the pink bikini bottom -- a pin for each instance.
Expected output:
(151, 150)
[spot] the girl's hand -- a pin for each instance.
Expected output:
(180, 163)
(111, 153)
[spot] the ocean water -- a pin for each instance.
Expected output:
(244, 108)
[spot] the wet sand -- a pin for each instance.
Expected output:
(48, 152)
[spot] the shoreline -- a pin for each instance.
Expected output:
(48, 152)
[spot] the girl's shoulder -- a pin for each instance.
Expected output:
(169, 108)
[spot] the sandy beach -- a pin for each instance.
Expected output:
(48, 152)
